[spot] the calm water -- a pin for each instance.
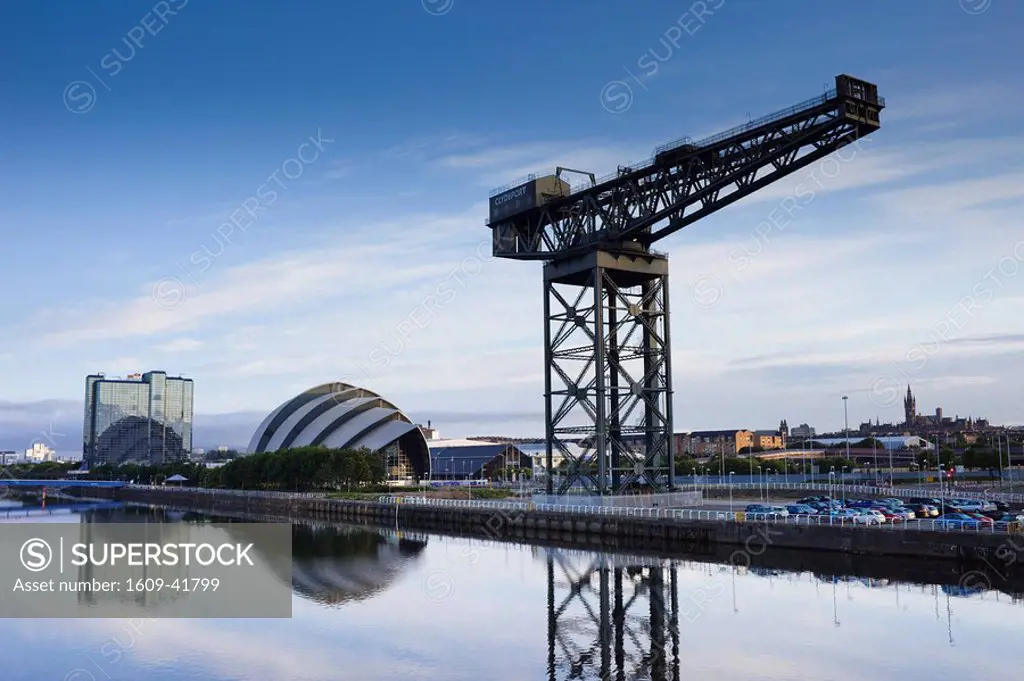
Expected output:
(371, 605)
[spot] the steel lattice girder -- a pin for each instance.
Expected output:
(680, 187)
(608, 368)
(613, 638)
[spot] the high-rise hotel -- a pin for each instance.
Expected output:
(142, 418)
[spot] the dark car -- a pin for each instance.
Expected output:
(923, 510)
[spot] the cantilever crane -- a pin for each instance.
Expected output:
(606, 305)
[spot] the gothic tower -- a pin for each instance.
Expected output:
(910, 407)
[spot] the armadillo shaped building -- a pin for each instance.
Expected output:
(339, 416)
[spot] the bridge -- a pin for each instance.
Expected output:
(60, 484)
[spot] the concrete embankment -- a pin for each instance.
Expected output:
(618, 532)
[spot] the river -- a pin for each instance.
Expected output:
(374, 605)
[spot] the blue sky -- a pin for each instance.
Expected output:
(134, 131)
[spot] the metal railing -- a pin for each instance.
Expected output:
(266, 494)
(871, 490)
(678, 514)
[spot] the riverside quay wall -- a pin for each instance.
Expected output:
(1004, 552)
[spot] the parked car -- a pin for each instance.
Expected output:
(965, 505)
(856, 516)
(923, 510)
(1004, 520)
(903, 513)
(763, 512)
(956, 521)
(880, 515)
(801, 509)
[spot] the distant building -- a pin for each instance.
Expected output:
(769, 439)
(916, 422)
(711, 442)
(142, 418)
(473, 459)
(429, 433)
(8, 457)
(802, 432)
(39, 452)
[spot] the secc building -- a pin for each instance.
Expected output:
(343, 416)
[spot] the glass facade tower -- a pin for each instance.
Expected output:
(144, 419)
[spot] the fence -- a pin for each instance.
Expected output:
(679, 514)
(867, 490)
(252, 493)
(625, 500)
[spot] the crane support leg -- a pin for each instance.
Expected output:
(608, 378)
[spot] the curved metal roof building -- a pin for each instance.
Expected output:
(339, 415)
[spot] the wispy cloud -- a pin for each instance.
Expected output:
(181, 345)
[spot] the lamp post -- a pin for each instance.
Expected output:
(760, 485)
(846, 422)
(831, 484)
(731, 473)
(844, 485)
(892, 473)
(874, 453)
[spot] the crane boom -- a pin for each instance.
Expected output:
(545, 218)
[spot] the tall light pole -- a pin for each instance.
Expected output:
(874, 453)
(846, 421)
(892, 473)
(731, 473)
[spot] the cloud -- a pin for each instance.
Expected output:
(295, 279)
(340, 169)
(180, 345)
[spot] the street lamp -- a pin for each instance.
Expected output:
(831, 484)
(731, 473)
(846, 421)
(844, 485)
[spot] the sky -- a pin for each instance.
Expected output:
(262, 198)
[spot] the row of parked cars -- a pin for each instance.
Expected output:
(945, 513)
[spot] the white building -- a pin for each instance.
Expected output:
(39, 453)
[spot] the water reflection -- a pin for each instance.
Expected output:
(331, 564)
(363, 609)
(611, 617)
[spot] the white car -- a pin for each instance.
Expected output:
(876, 517)
(904, 513)
(855, 516)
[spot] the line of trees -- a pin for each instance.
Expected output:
(304, 469)
(686, 465)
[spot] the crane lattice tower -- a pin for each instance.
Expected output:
(608, 370)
